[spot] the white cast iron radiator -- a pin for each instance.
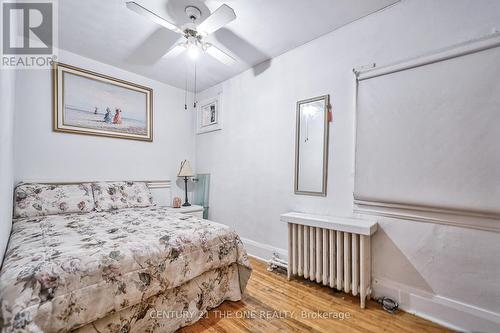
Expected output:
(331, 250)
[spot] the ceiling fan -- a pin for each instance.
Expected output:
(193, 33)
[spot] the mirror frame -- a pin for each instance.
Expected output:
(326, 98)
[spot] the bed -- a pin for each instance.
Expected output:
(101, 258)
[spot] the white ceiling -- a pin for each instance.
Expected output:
(105, 30)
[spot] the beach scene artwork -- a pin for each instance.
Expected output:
(103, 107)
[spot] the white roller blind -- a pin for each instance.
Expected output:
(429, 135)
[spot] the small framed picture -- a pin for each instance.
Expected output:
(209, 114)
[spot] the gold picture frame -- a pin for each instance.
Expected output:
(90, 103)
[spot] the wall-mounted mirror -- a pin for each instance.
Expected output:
(311, 149)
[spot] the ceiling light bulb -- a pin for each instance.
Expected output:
(193, 52)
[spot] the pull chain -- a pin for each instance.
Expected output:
(185, 89)
(194, 105)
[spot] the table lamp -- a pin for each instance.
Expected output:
(185, 171)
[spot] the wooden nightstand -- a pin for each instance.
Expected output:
(194, 210)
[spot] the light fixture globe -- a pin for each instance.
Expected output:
(193, 52)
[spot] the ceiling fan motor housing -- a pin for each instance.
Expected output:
(193, 13)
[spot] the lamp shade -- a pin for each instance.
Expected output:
(185, 170)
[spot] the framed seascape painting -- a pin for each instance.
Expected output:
(209, 115)
(89, 103)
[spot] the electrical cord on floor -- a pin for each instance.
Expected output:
(388, 304)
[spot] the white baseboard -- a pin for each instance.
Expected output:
(262, 251)
(447, 312)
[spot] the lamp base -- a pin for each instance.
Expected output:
(186, 203)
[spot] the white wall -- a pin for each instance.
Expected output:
(446, 273)
(41, 154)
(7, 83)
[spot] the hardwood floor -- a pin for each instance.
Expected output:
(273, 304)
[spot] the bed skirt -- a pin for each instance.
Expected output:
(175, 308)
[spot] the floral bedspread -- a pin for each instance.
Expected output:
(61, 272)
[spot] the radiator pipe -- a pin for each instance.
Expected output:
(276, 262)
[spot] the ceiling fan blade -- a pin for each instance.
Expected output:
(222, 16)
(133, 6)
(175, 50)
(220, 55)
